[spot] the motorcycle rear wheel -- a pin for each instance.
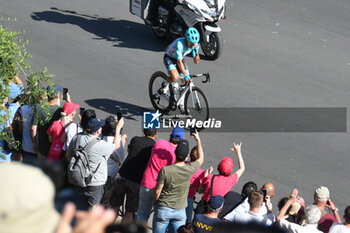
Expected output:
(160, 33)
(213, 48)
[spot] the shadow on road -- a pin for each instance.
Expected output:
(129, 111)
(121, 33)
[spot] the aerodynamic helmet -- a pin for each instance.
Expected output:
(192, 35)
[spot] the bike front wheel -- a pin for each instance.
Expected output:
(160, 101)
(196, 104)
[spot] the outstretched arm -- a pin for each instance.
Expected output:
(18, 80)
(117, 136)
(199, 146)
(237, 148)
(291, 200)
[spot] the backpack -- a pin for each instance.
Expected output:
(79, 171)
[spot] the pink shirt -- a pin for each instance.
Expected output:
(195, 182)
(163, 154)
(222, 185)
(56, 131)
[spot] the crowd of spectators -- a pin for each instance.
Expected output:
(133, 179)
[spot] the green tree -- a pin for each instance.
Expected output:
(14, 61)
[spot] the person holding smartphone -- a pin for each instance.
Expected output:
(170, 193)
(268, 191)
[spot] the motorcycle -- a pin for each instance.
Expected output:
(175, 16)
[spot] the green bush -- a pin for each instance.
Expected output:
(14, 61)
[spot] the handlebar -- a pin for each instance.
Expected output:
(206, 75)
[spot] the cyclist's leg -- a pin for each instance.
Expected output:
(170, 65)
(181, 76)
(171, 68)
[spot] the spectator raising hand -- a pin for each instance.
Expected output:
(93, 221)
(292, 198)
(237, 148)
(226, 180)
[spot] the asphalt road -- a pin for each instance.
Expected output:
(276, 54)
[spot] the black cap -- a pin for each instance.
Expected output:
(182, 150)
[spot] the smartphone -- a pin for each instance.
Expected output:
(65, 91)
(119, 116)
(265, 193)
(82, 110)
(192, 130)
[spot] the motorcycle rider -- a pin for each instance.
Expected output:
(174, 58)
(153, 12)
(152, 17)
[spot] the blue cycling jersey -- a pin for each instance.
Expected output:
(177, 49)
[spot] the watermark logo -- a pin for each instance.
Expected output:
(210, 123)
(255, 120)
(151, 120)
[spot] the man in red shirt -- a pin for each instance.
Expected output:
(225, 181)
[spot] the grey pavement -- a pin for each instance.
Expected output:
(276, 54)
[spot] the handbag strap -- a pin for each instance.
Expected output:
(211, 186)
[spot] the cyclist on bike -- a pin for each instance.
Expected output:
(174, 57)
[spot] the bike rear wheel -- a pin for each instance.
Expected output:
(161, 102)
(196, 104)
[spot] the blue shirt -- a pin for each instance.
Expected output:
(15, 90)
(203, 224)
(6, 155)
(178, 49)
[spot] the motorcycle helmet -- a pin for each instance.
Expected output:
(192, 35)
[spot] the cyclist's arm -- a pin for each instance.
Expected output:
(179, 57)
(181, 66)
(196, 59)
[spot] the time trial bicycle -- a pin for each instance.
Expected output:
(190, 101)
